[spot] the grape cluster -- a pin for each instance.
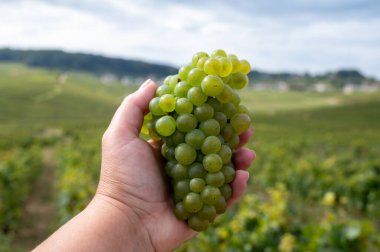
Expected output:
(198, 115)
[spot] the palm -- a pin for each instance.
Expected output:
(142, 183)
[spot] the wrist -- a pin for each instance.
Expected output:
(123, 227)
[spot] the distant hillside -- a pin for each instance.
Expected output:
(59, 60)
(100, 65)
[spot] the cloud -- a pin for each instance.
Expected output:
(296, 35)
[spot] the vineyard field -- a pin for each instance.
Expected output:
(315, 185)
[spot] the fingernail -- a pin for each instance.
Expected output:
(145, 83)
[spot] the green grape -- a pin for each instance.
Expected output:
(192, 202)
(220, 205)
(211, 144)
(218, 52)
(229, 173)
(186, 122)
(234, 141)
(235, 98)
(226, 66)
(215, 179)
(167, 80)
(201, 62)
(226, 191)
(238, 80)
(212, 162)
(207, 212)
(166, 125)
(198, 56)
(203, 112)
(181, 188)
(155, 108)
(243, 109)
(210, 127)
(244, 67)
(184, 71)
(179, 172)
(196, 170)
(185, 154)
(225, 154)
(197, 224)
(197, 185)
(235, 63)
(196, 96)
(183, 106)
(167, 152)
(195, 77)
(221, 118)
(212, 85)
(229, 109)
(212, 66)
(240, 123)
(227, 132)
(195, 138)
(173, 81)
(151, 125)
(169, 166)
(178, 137)
(211, 195)
(181, 89)
(167, 103)
(215, 104)
(180, 211)
(221, 139)
(164, 89)
(226, 95)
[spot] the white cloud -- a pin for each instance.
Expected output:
(172, 32)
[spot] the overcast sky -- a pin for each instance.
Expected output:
(274, 35)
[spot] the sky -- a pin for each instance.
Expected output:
(287, 35)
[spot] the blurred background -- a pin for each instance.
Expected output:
(314, 98)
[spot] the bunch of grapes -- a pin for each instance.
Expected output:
(198, 115)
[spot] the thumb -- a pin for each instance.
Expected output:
(127, 121)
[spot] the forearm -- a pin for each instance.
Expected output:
(105, 225)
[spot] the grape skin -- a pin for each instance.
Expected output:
(198, 114)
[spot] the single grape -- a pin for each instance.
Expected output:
(235, 98)
(226, 66)
(225, 154)
(192, 202)
(185, 154)
(212, 66)
(197, 224)
(212, 162)
(201, 62)
(181, 89)
(181, 188)
(195, 77)
(218, 53)
(215, 104)
(212, 85)
(235, 63)
(155, 108)
(167, 152)
(227, 132)
(198, 56)
(211, 195)
(220, 205)
(244, 67)
(207, 212)
(229, 110)
(226, 191)
(151, 125)
(183, 106)
(226, 95)
(238, 80)
(210, 127)
(196, 96)
(195, 138)
(197, 185)
(186, 122)
(229, 173)
(215, 179)
(203, 112)
(233, 142)
(243, 109)
(169, 166)
(174, 79)
(196, 170)
(179, 172)
(180, 211)
(167, 80)
(163, 89)
(178, 137)
(240, 123)
(166, 125)
(184, 71)
(221, 118)
(211, 144)
(167, 103)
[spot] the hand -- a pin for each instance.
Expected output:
(133, 174)
(132, 209)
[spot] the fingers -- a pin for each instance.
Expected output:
(128, 118)
(243, 158)
(244, 137)
(238, 186)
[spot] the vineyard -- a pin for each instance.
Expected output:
(315, 185)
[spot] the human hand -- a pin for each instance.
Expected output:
(132, 174)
